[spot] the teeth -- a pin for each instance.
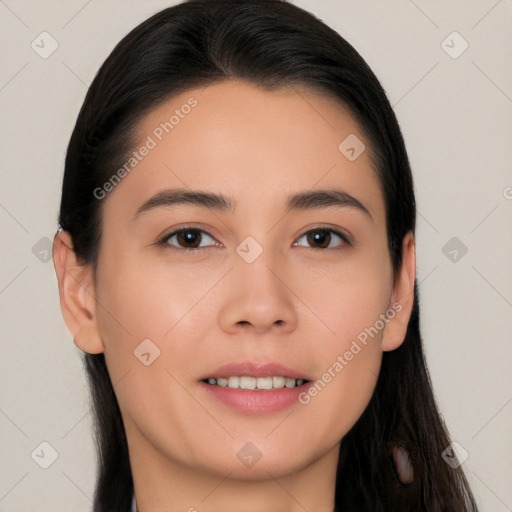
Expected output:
(278, 382)
(222, 382)
(246, 382)
(234, 382)
(264, 382)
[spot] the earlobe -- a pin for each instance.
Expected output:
(402, 298)
(77, 295)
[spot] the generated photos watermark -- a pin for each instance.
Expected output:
(151, 142)
(343, 360)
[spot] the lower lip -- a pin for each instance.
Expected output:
(255, 402)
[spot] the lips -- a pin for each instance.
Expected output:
(247, 397)
(251, 369)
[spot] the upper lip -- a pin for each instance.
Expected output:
(251, 369)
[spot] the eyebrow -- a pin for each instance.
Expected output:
(310, 199)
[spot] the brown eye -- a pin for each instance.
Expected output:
(187, 238)
(321, 238)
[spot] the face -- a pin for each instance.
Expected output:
(258, 281)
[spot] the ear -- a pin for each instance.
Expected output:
(402, 298)
(77, 295)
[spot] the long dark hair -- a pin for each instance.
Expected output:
(271, 43)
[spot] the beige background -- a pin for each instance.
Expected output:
(456, 116)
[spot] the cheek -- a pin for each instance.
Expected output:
(351, 303)
(145, 299)
(152, 314)
(144, 303)
(347, 297)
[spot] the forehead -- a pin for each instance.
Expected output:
(252, 143)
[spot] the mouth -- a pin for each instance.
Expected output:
(255, 383)
(253, 388)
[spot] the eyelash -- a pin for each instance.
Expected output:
(163, 241)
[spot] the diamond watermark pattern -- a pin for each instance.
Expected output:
(454, 249)
(455, 455)
(44, 45)
(249, 455)
(42, 250)
(249, 249)
(351, 147)
(454, 45)
(146, 352)
(44, 455)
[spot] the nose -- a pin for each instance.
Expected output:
(259, 297)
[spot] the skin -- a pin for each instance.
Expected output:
(296, 304)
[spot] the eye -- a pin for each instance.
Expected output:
(187, 238)
(190, 238)
(322, 237)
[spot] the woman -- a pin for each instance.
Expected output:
(236, 259)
